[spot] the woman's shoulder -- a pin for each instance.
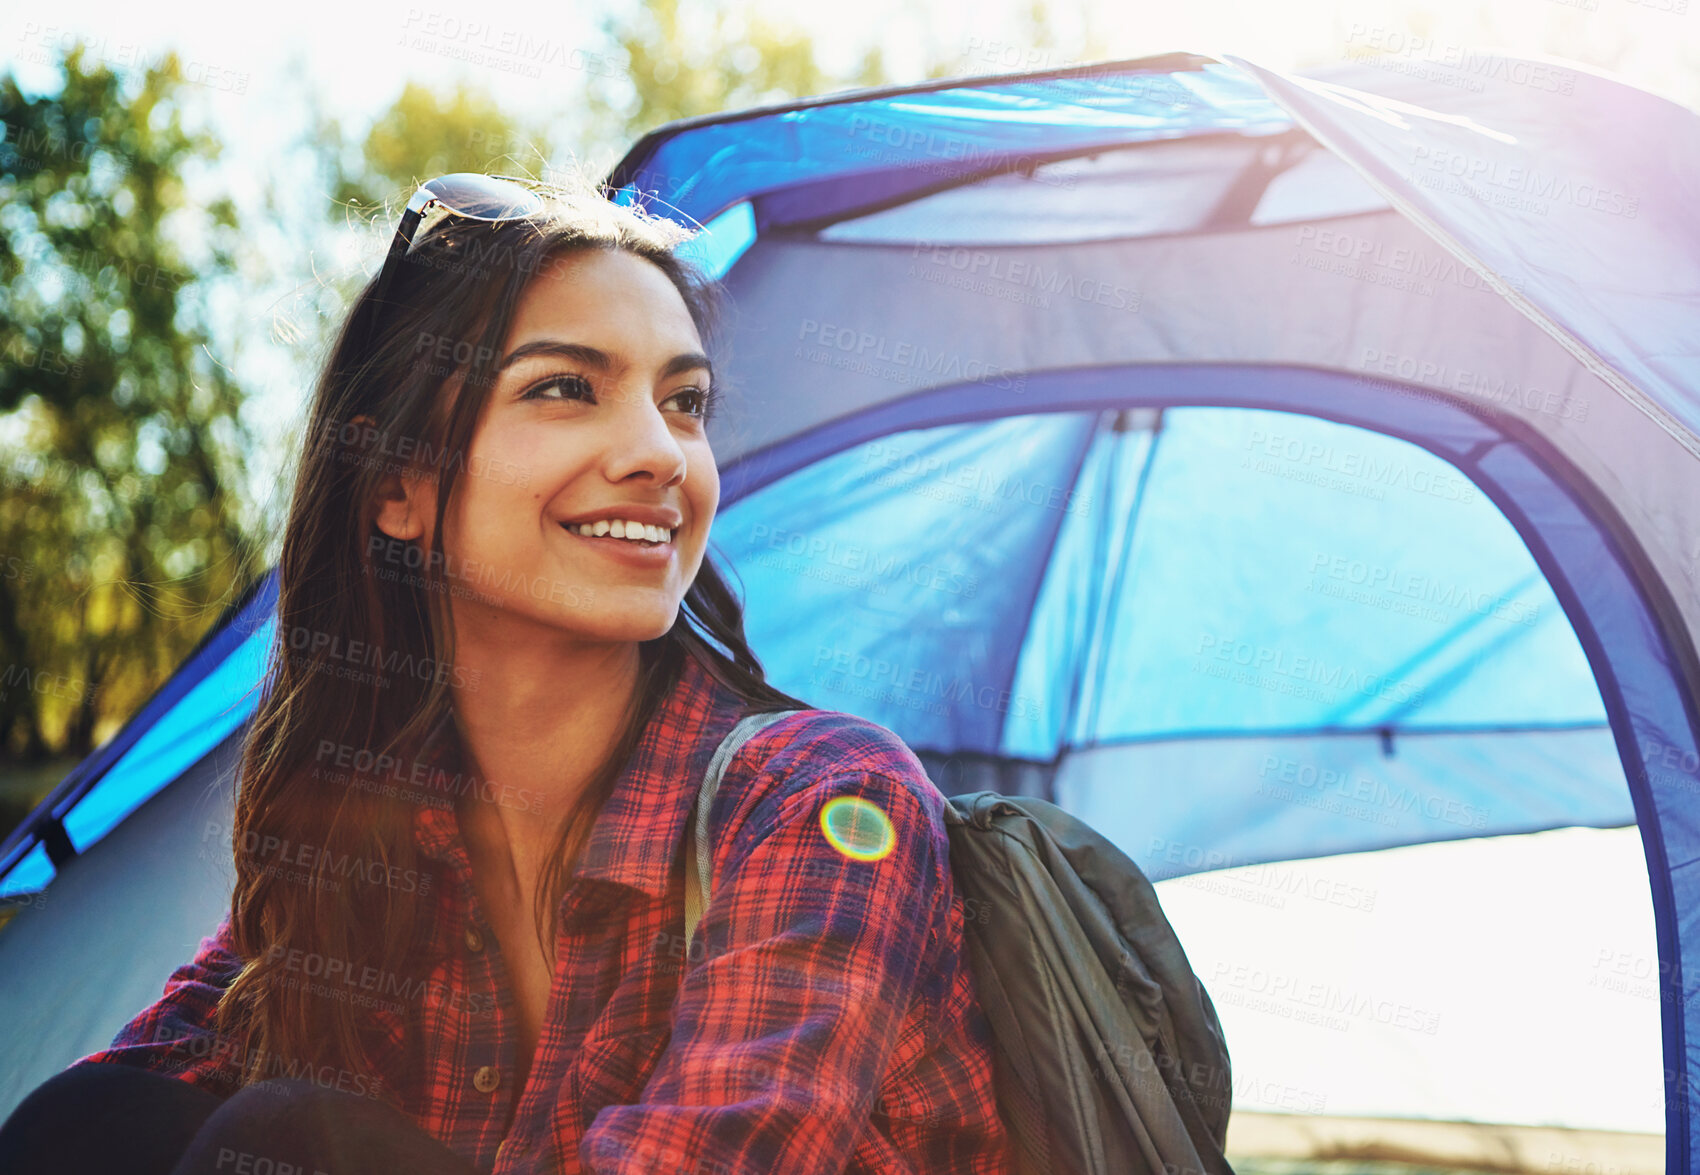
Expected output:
(813, 753)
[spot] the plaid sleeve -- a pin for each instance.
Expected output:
(814, 944)
(175, 1034)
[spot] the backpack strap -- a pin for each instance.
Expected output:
(699, 845)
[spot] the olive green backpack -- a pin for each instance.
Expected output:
(1108, 1056)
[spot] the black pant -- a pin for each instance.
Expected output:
(111, 1119)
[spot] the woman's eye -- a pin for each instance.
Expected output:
(702, 398)
(700, 401)
(573, 387)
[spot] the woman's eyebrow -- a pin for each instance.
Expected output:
(599, 359)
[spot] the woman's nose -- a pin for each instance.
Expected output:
(641, 440)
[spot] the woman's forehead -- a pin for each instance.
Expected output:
(608, 291)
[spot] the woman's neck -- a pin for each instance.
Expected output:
(533, 729)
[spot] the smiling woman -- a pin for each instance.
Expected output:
(503, 664)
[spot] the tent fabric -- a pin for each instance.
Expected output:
(1252, 521)
(1466, 623)
(1618, 186)
(96, 947)
(806, 161)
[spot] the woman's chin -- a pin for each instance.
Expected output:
(634, 624)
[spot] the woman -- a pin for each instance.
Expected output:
(456, 941)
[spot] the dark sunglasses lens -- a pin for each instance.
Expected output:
(484, 197)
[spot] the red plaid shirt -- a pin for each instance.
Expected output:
(825, 1020)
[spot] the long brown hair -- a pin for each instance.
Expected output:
(439, 327)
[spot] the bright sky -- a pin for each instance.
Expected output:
(359, 55)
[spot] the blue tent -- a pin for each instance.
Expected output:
(1262, 466)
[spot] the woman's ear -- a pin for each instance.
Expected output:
(405, 499)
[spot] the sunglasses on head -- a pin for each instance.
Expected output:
(492, 199)
(489, 198)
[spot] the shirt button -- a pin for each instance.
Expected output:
(486, 1079)
(474, 940)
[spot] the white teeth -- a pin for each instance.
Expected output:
(621, 529)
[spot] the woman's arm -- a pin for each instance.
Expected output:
(811, 958)
(176, 1034)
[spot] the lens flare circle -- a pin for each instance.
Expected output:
(857, 828)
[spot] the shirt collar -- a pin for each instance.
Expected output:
(636, 835)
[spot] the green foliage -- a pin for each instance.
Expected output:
(423, 135)
(120, 439)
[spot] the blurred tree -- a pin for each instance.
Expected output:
(426, 132)
(121, 535)
(668, 61)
